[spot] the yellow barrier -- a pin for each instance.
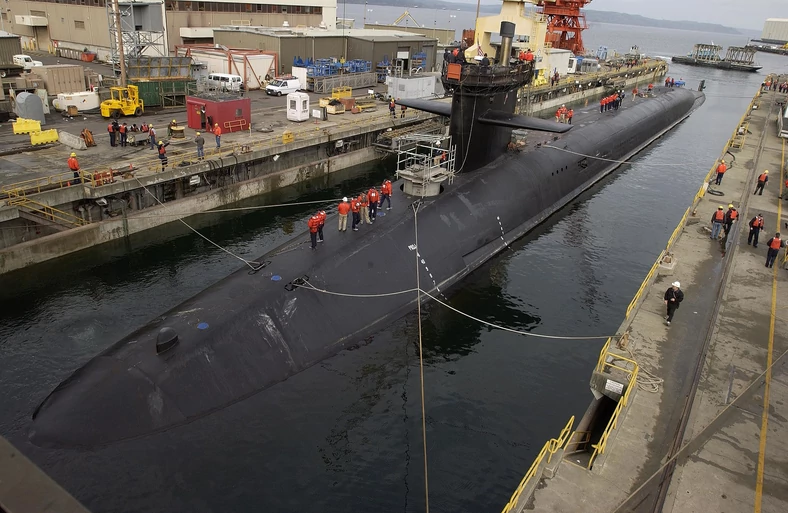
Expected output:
(25, 126)
(548, 450)
(341, 92)
(44, 137)
(678, 229)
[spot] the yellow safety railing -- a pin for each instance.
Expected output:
(644, 284)
(632, 372)
(36, 185)
(678, 229)
(548, 450)
(46, 212)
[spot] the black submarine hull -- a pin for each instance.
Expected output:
(251, 331)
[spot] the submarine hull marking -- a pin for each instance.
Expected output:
(244, 359)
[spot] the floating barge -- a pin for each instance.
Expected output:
(738, 58)
(764, 46)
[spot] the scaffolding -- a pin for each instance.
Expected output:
(740, 55)
(141, 28)
(704, 52)
(425, 161)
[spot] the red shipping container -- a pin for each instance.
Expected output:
(233, 114)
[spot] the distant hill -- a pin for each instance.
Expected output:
(641, 21)
(591, 15)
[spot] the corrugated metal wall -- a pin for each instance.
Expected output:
(775, 30)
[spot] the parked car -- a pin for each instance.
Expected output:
(280, 86)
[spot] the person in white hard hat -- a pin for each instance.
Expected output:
(343, 210)
(673, 297)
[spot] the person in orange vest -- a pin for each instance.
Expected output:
(762, 179)
(602, 103)
(373, 196)
(111, 130)
(569, 116)
(730, 217)
(362, 199)
(343, 210)
(163, 154)
(774, 247)
(673, 298)
(393, 108)
(558, 115)
(563, 113)
(152, 137)
(756, 225)
(322, 215)
(217, 131)
(634, 94)
(122, 130)
(717, 219)
(73, 164)
(313, 223)
(402, 110)
(385, 192)
(521, 56)
(720, 171)
(355, 209)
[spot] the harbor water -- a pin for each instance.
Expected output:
(345, 434)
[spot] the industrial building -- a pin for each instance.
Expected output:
(82, 24)
(775, 31)
(369, 45)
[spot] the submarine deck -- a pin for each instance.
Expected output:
(730, 328)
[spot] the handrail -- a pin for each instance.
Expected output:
(643, 285)
(549, 449)
(49, 213)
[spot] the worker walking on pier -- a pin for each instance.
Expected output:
(313, 223)
(322, 215)
(343, 210)
(200, 142)
(730, 218)
(717, 219)
(373, 197)
(392, 108)
(73, 164)
(364, 203)
(217, 131)
(720, 171)
(673, 298)
(762, 180)
(385, 193)
(152, 137)
(756, 225)
(774, 247)
(111, 130)
(355, 209)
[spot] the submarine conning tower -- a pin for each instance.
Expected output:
(477, 90)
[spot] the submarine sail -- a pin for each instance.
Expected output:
(250, 331)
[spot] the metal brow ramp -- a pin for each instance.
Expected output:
(46, 215)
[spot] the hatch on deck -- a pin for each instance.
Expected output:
(424, 162)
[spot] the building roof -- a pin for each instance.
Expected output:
(782, 20)
(292, 32)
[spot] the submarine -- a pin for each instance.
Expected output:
(298, 307)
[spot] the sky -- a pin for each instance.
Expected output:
(749, 14)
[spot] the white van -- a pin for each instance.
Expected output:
(225, 82)
(280, 86)
(26, 61)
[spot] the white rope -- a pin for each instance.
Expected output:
(239, 209)
(647, 380)
(608, 160)
(252, 265)
(308, 285)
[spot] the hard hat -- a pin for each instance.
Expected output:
(73, 154)
(344, 199)
(676, 284)
(730, 206)
(150, 126)
(163, 143)
(723, 161)
(198, 133)
(216, 124)
(766, 172)
(720, 207)
(174, 121)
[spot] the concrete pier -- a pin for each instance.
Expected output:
(713, 436)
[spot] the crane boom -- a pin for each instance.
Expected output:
(565, 23)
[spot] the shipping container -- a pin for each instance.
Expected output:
(62, 78)
(230, 112)
(163, 93)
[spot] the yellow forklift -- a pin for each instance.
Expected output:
(124, 101)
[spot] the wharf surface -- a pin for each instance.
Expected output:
(713, 438)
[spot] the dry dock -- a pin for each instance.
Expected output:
(712, 436)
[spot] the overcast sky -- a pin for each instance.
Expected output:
(733, 13)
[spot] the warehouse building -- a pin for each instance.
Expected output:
(83, 24)
(775, 31)
(370, 45)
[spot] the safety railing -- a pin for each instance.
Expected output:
(548, 450)
(608, 360)
(678, 229)
(578, 442)
(47, 213)
(235, 125)
(36, 185)
(643, 285)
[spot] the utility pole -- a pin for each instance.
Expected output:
(119, 33)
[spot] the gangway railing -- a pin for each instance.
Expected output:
(47, 213)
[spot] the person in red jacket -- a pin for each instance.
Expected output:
(73, 165)
(322, 215)
(343, 210)
(355, 209)
(373, 196)
(362, 198)
(385, 193)
(314, 224)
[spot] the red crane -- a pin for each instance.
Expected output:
(565, 23)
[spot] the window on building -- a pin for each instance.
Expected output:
(79, 24)
(239, 113)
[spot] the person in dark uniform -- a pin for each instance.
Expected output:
(756, 225)
(730, 217)
(673, 297)
(774, 247)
